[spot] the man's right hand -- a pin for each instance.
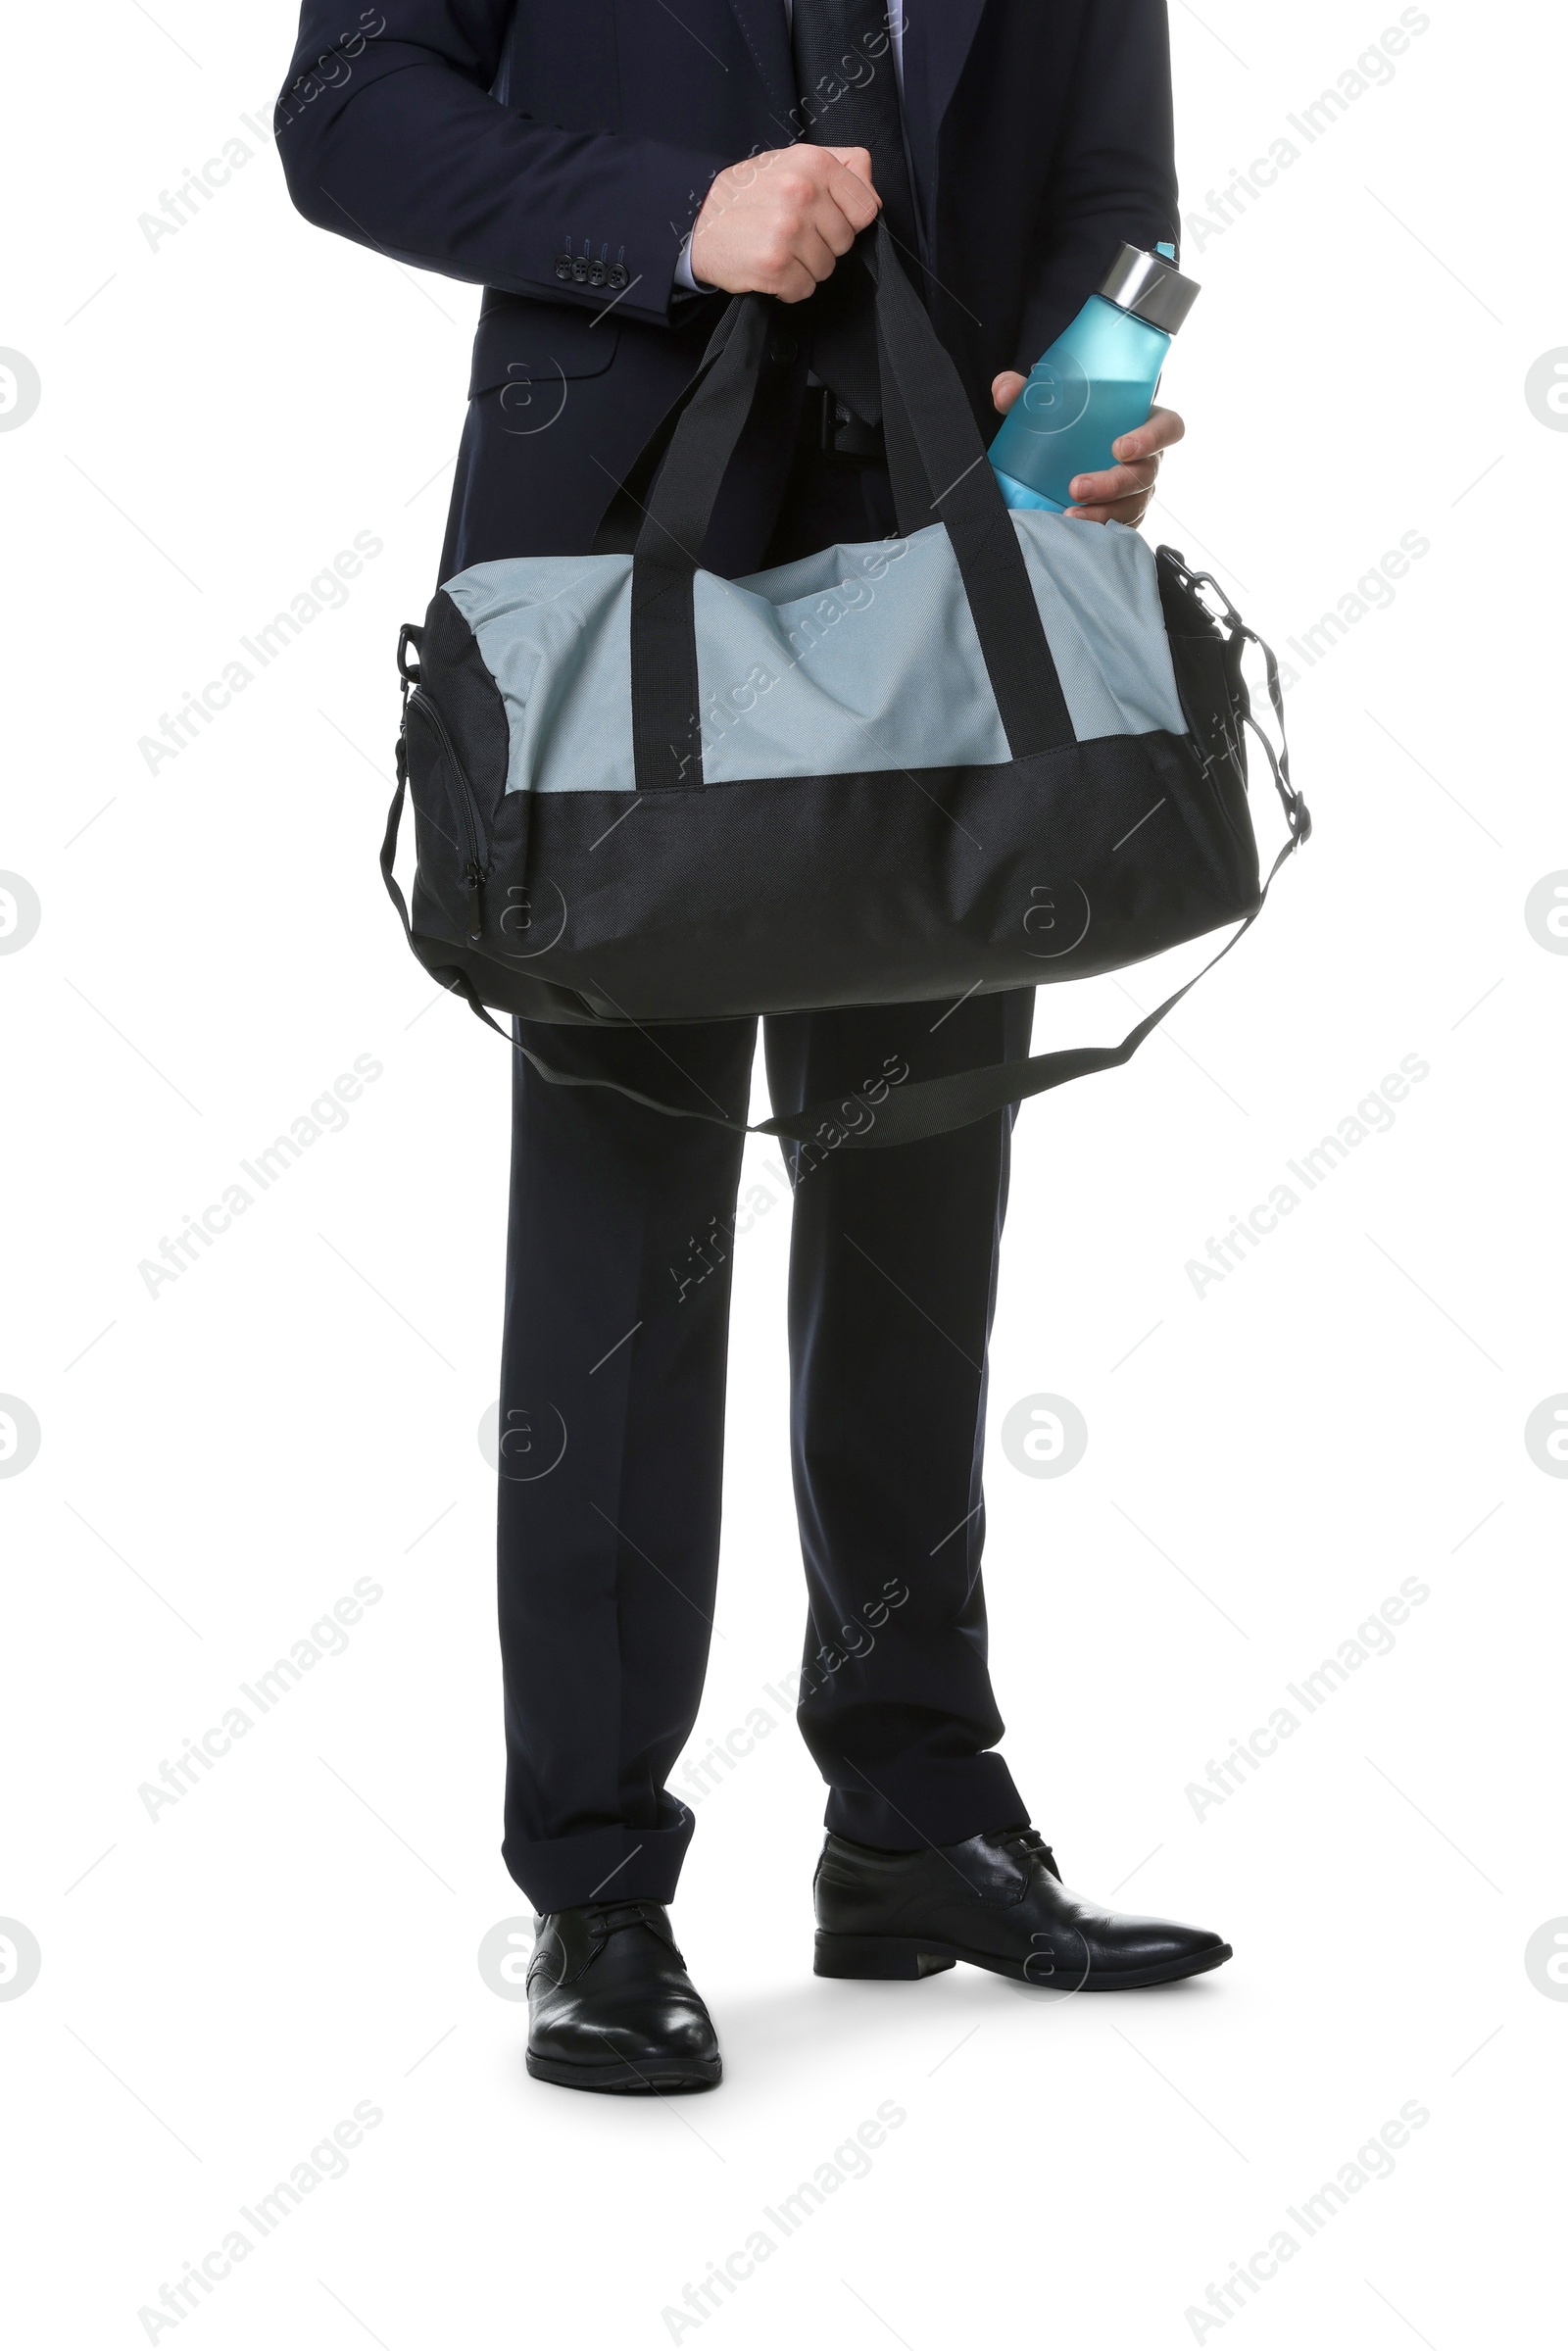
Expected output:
(778, 222)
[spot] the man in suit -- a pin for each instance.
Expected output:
(610, 172)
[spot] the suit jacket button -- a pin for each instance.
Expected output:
(579, 270)
(596, 274)
(563, 266)
(617, 276)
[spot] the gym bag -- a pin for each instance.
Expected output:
(1002, 749)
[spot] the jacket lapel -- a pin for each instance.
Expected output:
(764, 27)
(937, 40)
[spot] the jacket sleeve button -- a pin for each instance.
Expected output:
(563, 266)
(579, 270)
(617, 276)
(596, 274)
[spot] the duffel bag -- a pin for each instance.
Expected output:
(1000, 749)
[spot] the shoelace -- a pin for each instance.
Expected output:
(608, 1918)
(1028, 1841)
(605, 1918)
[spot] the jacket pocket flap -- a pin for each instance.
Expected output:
(538, 344)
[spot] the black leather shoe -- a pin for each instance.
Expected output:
(998, 1901)
(612, 2007)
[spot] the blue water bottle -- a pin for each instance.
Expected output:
(1095, 382)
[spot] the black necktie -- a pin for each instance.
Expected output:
(849, 97)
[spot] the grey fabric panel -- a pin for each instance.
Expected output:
(866, 658)
(556, 632)
(1098, 590)
(852, 661)
(825, 667)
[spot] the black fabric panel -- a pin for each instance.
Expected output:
(467, 704)
(788, 895)
(457, 680)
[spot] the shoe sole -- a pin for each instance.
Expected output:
(622, 2078)
(896, 1959)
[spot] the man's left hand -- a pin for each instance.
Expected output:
(1123, 494)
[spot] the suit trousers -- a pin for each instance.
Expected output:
(622, 1222)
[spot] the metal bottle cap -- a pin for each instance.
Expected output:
(1140, 282)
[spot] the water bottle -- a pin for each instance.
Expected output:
(1095, 382)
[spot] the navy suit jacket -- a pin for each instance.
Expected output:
(487, 138)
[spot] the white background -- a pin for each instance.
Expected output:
(1266, 1462)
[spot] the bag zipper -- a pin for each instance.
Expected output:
(467, 807)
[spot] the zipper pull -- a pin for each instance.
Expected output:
(475, 905)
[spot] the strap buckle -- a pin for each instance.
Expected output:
(840, 434)
(1298, 815)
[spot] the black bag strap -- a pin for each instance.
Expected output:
(665, 718)
(940, 475)
(623, 517)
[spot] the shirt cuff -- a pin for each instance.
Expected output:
(685, 282)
